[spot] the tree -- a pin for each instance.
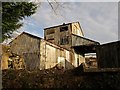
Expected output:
(12, 14)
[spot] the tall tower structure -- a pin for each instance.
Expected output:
(62, 34)
(70, 36)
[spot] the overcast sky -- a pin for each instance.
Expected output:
(99, 20)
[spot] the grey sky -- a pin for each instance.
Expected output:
(99, 21)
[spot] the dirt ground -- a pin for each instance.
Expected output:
(59, 78)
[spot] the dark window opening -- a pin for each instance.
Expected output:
(64, 40)
(65, 28)
(50, 39)
(50, 31)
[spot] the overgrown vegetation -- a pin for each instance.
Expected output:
(12, 14)
(54, 78)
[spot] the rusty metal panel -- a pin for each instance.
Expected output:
(108, 55)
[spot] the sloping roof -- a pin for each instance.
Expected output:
(64, 25)
(110, 43)
(51, 44)
(31, 35)
(82, 41)
(27, 34)
(60, 25)
(83, 44)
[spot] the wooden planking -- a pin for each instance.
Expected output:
(57, 37)
(76, 29)
(78, 41)
(108, 55)
(50, 54)
(25, 43)
(64, 39)
(42, 54)
(32, 60)
(29, 47)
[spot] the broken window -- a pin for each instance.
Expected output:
(65, 28)
(64, 40)
(50, 31)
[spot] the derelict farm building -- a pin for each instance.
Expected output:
(37, 53)
(63, 43)
(71, 37)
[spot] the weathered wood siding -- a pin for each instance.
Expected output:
(59, 36)
(62, 34)
(108, 55)
(25, 43)
(38, 53)
(77, 41)
(51, 54)
(27, 46)
(42, 54)
(78, 58)
(76, 29)
(32, 60)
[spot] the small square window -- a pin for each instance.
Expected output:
(50, 31)
(65, 28)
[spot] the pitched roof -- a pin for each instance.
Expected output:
(60, 25)
(27, 34)
(96, 42)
